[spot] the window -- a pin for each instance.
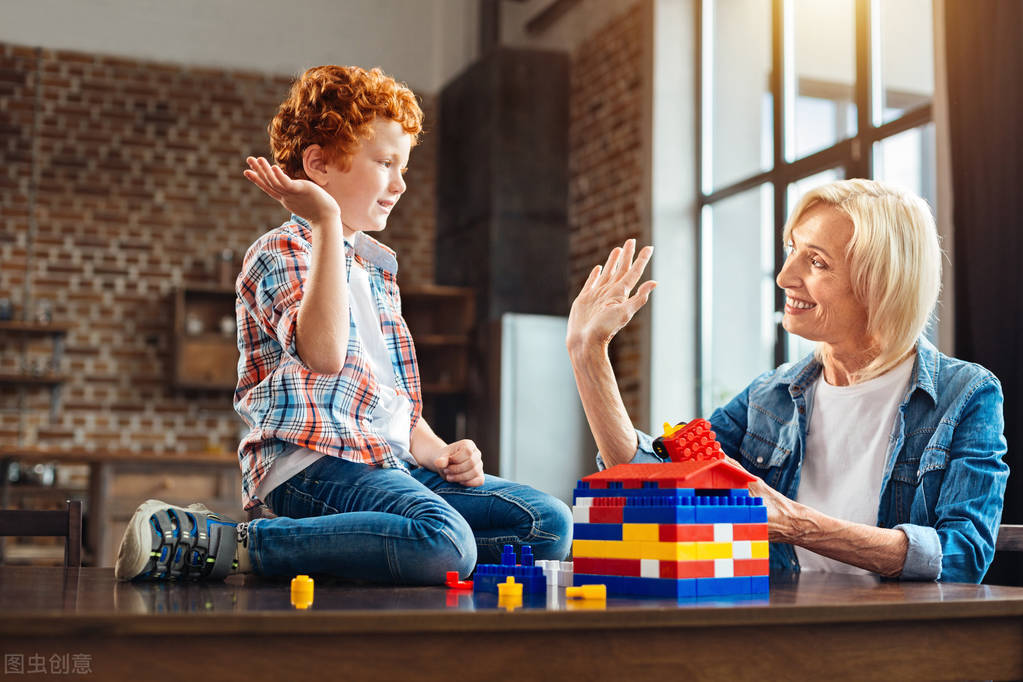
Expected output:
(793, 94)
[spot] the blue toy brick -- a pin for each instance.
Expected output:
(760, 584)
(630, 492)
(758, 514)
(640, 587)
(707, 587)
(597, 531)
(529, 575)
(488, 576)
(663, 514)
(727, 514)
(739, 492)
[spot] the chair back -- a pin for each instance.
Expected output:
(65, 523)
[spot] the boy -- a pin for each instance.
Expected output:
(328, 384)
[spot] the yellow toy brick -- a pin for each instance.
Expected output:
(760, 549)
(642, 532)
(509, 589)
(713, 550)
(586, 592)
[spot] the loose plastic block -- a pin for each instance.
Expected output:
(489, 576)
(509, 588)
(454, 583)
(302, 587)
(588, 591)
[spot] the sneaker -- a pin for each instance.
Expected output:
(164, 542)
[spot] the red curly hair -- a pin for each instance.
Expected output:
(333, 106)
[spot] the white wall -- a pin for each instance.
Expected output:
(422, 42)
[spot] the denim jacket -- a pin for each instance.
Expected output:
(944, 478)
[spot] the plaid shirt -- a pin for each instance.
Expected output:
(281, 400)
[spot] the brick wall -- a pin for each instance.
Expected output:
(138, 186)
(606, 167)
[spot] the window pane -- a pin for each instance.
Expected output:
(738, 114)
(797, 347)
(907, 57)
(907, 160)
(737, 292)
(824, 47)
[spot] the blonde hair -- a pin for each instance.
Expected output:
(894, 261)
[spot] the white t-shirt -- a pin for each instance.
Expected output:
(393, 414)
(847, 443)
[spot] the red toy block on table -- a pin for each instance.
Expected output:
(454, 583)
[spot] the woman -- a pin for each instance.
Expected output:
(875, 454)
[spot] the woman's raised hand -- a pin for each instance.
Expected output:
(301, 197)
(604, 305)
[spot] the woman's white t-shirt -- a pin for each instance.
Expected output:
(847, 444)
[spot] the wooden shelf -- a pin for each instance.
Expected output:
(33, 380)
(53, 380)
(207, 361)
(34, 328)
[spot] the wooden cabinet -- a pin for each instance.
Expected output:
(205, 341)
(442, 322)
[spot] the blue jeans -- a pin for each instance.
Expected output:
(355, 521)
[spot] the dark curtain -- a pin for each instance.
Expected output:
(984, 56)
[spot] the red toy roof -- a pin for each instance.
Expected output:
(691, 474)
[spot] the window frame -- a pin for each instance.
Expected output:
(854, 156)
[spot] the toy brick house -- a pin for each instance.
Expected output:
(685, 528)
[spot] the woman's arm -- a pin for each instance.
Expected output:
(600, 310)
(881, 550)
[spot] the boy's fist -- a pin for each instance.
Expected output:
(460, 462)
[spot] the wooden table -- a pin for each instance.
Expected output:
(819, 626)
(107, 507)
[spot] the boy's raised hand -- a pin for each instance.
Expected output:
(301, 197)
